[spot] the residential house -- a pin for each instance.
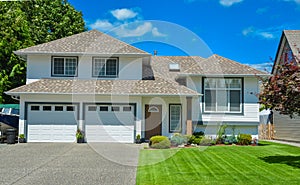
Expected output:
(114, 91)
(287, 128)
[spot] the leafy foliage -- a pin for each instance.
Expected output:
(28, 23)
(282, 90)
(244, 139)
(164, 144)
(178, 139)
(157, 139)
(221, 133)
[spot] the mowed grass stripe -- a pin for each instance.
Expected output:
(220, 165)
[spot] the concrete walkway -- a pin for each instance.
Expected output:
(285, 142)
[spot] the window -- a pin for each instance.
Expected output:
(115, 109)
(103, 108)
(105, 67)
(175, 118)
(223, 95)
(64, 66)
(59, 108)
(70, 108)
(35, 108)
(46, 108)
(126, 109)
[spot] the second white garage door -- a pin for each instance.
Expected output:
(52, 123)
(110, 123)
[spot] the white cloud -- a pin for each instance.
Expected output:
(103, 25)
(268, 33)
(228, 3)
(123, 14)
(156, 33)
(140, 30)
(296, 1)
(267, 66)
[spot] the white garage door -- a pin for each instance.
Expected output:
(52, 123)
(110, 123)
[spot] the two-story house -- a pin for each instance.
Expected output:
(114, 91)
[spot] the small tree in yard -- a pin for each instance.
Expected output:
(282, 90)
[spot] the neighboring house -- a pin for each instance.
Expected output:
(285, 127)
(114, 91)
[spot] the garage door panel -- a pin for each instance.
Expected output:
(53, 125)
(110, 123)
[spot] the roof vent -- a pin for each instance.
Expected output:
(174, 67)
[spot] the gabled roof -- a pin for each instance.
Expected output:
(292, 37)
(159, 86)
(89, 42)
(214, 66)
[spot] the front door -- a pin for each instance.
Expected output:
(153, 120)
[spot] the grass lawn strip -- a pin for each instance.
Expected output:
(222, 165)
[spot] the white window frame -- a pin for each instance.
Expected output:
(105, 72)
(65, 64)
(225, 88)
(170, 118)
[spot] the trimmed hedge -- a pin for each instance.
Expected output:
(164, 144)
(244, 139)
(157, 139)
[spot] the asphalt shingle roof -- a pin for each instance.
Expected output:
(293, 38)
(214, 65)
(89, 42)
(159, 86)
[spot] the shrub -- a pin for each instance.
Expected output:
(157, 139)
(221, 133)
(196, 138)
(178, 139)
(230, 139)
(244, 139)
(205, 142)
(22, 136)
(198, 134)
(164, 144)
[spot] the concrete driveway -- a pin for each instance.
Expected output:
(61, 163)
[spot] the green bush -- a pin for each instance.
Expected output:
(164, 144)
(178, 139)
(196, 138)
(198, 134)
(244, 139)
(157, 139)
(205, 142)
(230, 140)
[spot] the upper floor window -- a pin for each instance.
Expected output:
(64, 66)
(105, 67)
(223, 95)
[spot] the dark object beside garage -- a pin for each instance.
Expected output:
(11, 136)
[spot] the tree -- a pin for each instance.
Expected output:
(282, 90)
(28, 23)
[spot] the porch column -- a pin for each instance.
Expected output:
(189, 128)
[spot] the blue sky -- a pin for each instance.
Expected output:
(247, 31)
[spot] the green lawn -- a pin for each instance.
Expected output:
(268, 164)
